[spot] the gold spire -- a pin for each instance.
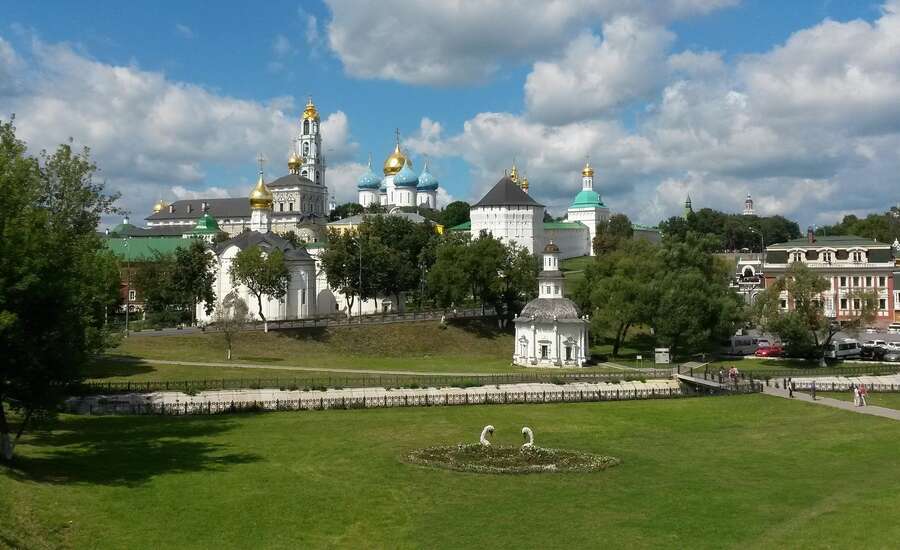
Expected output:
(261, 197)
(524, 184)
(395, 161)
(159, 206)
(588, 171)
(310, 112)
(514, 173)
(294, 162)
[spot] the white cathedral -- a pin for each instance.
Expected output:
(400, 186)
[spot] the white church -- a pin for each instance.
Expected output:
(400, 186)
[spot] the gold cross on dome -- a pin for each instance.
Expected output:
(260, 160)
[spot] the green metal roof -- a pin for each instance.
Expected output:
(143, 249)
(564, 225)
(836, 241)
(587, 198)
(206, 225)
(465, 226)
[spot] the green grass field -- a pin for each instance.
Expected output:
(747, 472)
(888, 400)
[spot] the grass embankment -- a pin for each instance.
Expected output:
(888, 400)
(463, 347)
(739, 472)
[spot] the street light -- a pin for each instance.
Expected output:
(127, 284)
(762, 239)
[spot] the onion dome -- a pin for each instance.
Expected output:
(427, 181)
(159, 206)
(524, 184)
(261, 197)
(310, 112)
(406, 177)
(206, 225)
(514, 174)
(551, 248)
(395, 161)
(369, 180)
(294, 162)
(587, 171)
(383, 187)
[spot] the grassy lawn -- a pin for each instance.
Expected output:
(888, 400)
(748, 472)
(573, 269)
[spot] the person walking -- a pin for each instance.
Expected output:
(862, 395)
(855, 396)
(813, 390)
(790, 385)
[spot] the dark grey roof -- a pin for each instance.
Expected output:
(265, 241)
(166, 230)
(358, 218)
(548, 309)
(832, 241)
(506, 193)
(290, 180)
(218, 208)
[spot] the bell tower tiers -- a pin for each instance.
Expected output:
(310, 145)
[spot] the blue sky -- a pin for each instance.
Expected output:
(790, 101)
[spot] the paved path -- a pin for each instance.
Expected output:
(587, 370)
(836, 403)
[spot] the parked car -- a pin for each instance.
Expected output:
(880, 343)
(871, 330)
(892, 357)
(893, 328)
(773, 350)
(872, 352)
(848, 347)
(891, 346)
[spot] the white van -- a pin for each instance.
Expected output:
(893, 328)
(740, 345)
(843, 349)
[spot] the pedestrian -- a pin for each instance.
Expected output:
(855, 396)
(790, 386)
(813, 390)
(862, 395)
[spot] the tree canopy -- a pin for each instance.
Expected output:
(57, 280)
(732, 231)
(884, 227)
(610, 234)
(264, 273)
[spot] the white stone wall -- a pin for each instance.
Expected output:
(427, 199)
(572, 243)
(556, 336)
(368, 197)
(590, 217)
(520, 224)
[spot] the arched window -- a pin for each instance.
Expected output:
(305, 149)
(305, 126)
(748, 271)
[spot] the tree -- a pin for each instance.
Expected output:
(448, 281)
(263, 273)
(455, 213)
(57, 280)
(620, 290)
(803, 325)
(345, 210)
(517, 281)
(732, 231)
(342, 264)
(231, 318)
(193, 277)
(612, 233)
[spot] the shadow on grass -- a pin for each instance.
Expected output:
(117, 365)
(482, 328)
(124, 450)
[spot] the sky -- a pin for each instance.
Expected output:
(797, 103)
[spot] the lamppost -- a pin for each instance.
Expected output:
(127, 284)
(762, 239)
(359, 245)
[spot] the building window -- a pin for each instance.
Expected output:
(568, 353)
(132, 295)
(843, 303)
(290, 207)
(523, 348)
(555, 289)
(881, 281)
(868, 281)
(882, 303)
(856, 303)
(797, 256)
(783, 304)
(545, 351)
(302, 296)
(843, 281)
(281, 207)
(826, 256)
(857, 256)
(855, 282)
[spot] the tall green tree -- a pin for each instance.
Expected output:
(342, 265)
(448, 281)
(193, 277)
(612, 233)
(345, 210)
(802, 325)
(455, 213)
(57, 280)
(517, 281)
(154, 278)
(263, 272)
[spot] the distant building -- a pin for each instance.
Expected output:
(849, 264)
(748, 206)
(588, 207)
(400, 186)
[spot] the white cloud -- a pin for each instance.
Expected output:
(184, 30)
(449, 43)
(697, 64)
(281, 46)
(10, 65)
(594, 76)
(182, 193)
(341, 180)
(147, 133)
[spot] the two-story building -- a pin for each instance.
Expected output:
(849, 264)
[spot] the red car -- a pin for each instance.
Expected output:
(774, 350)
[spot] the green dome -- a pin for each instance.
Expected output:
(587, 198)
(206, 225)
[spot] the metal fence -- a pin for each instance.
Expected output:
(361, 381)
(308, 403)
(861, 370)
(832, 386)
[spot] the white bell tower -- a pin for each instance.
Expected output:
(310, 145)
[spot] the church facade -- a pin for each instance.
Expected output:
(400, 186)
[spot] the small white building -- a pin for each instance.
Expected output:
(550, 332)
(588, 207)
(300, 300)
(510, 215)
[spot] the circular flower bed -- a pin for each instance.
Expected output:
(509, 460)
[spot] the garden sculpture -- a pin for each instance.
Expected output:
(529, 437)
(488, 430)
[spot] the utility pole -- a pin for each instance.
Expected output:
(127, 284)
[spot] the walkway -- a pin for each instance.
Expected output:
(835, 403)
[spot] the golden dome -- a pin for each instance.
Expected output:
(514, 174)
(260, 197)
(395, 162)
(159, 206)
(294, 162)
(587, 171)
(310, 112)
(524, 184)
